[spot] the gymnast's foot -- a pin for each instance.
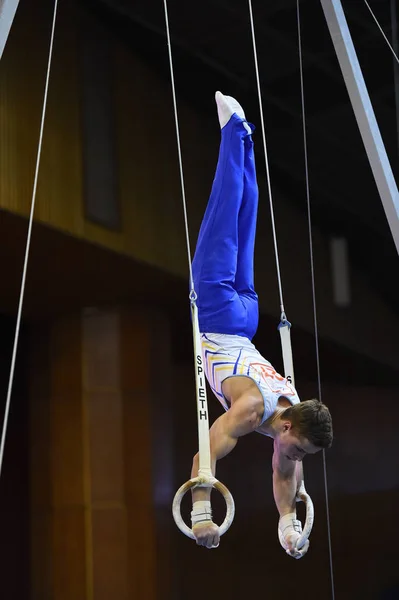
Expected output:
(227, 106)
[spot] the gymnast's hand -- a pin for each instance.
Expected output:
(292, 550)
(207, 534)
(289, 531)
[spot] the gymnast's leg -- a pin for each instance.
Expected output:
(244, 281)
(215, 262)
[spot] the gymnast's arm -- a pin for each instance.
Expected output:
(287, 479)
(285, 483)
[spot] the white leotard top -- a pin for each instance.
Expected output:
(231, 356)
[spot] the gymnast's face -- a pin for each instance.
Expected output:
(292, 446)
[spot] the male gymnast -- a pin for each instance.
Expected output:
(254, 396)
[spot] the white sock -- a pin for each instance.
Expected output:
(227, 106)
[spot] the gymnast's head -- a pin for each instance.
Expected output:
(305, 428)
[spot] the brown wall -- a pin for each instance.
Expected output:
(362, 473)
(98, 483)
(149, 193)
(152, 226)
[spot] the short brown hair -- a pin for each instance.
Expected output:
(312, 420)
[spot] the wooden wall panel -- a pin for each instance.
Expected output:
(95, 482)
(150, 193)
(21, 78)
(22, 82)
(149, 187)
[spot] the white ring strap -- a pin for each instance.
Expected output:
(307, 528)
(205, 476)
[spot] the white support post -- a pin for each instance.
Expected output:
(8, 8)
(364, 112)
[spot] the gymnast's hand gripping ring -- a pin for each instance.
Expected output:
(202, 482)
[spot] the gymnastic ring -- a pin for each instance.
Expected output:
(176, 510)
(307, 528)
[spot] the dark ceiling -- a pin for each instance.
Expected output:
(212, 49)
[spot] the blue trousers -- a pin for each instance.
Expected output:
(223, 264)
